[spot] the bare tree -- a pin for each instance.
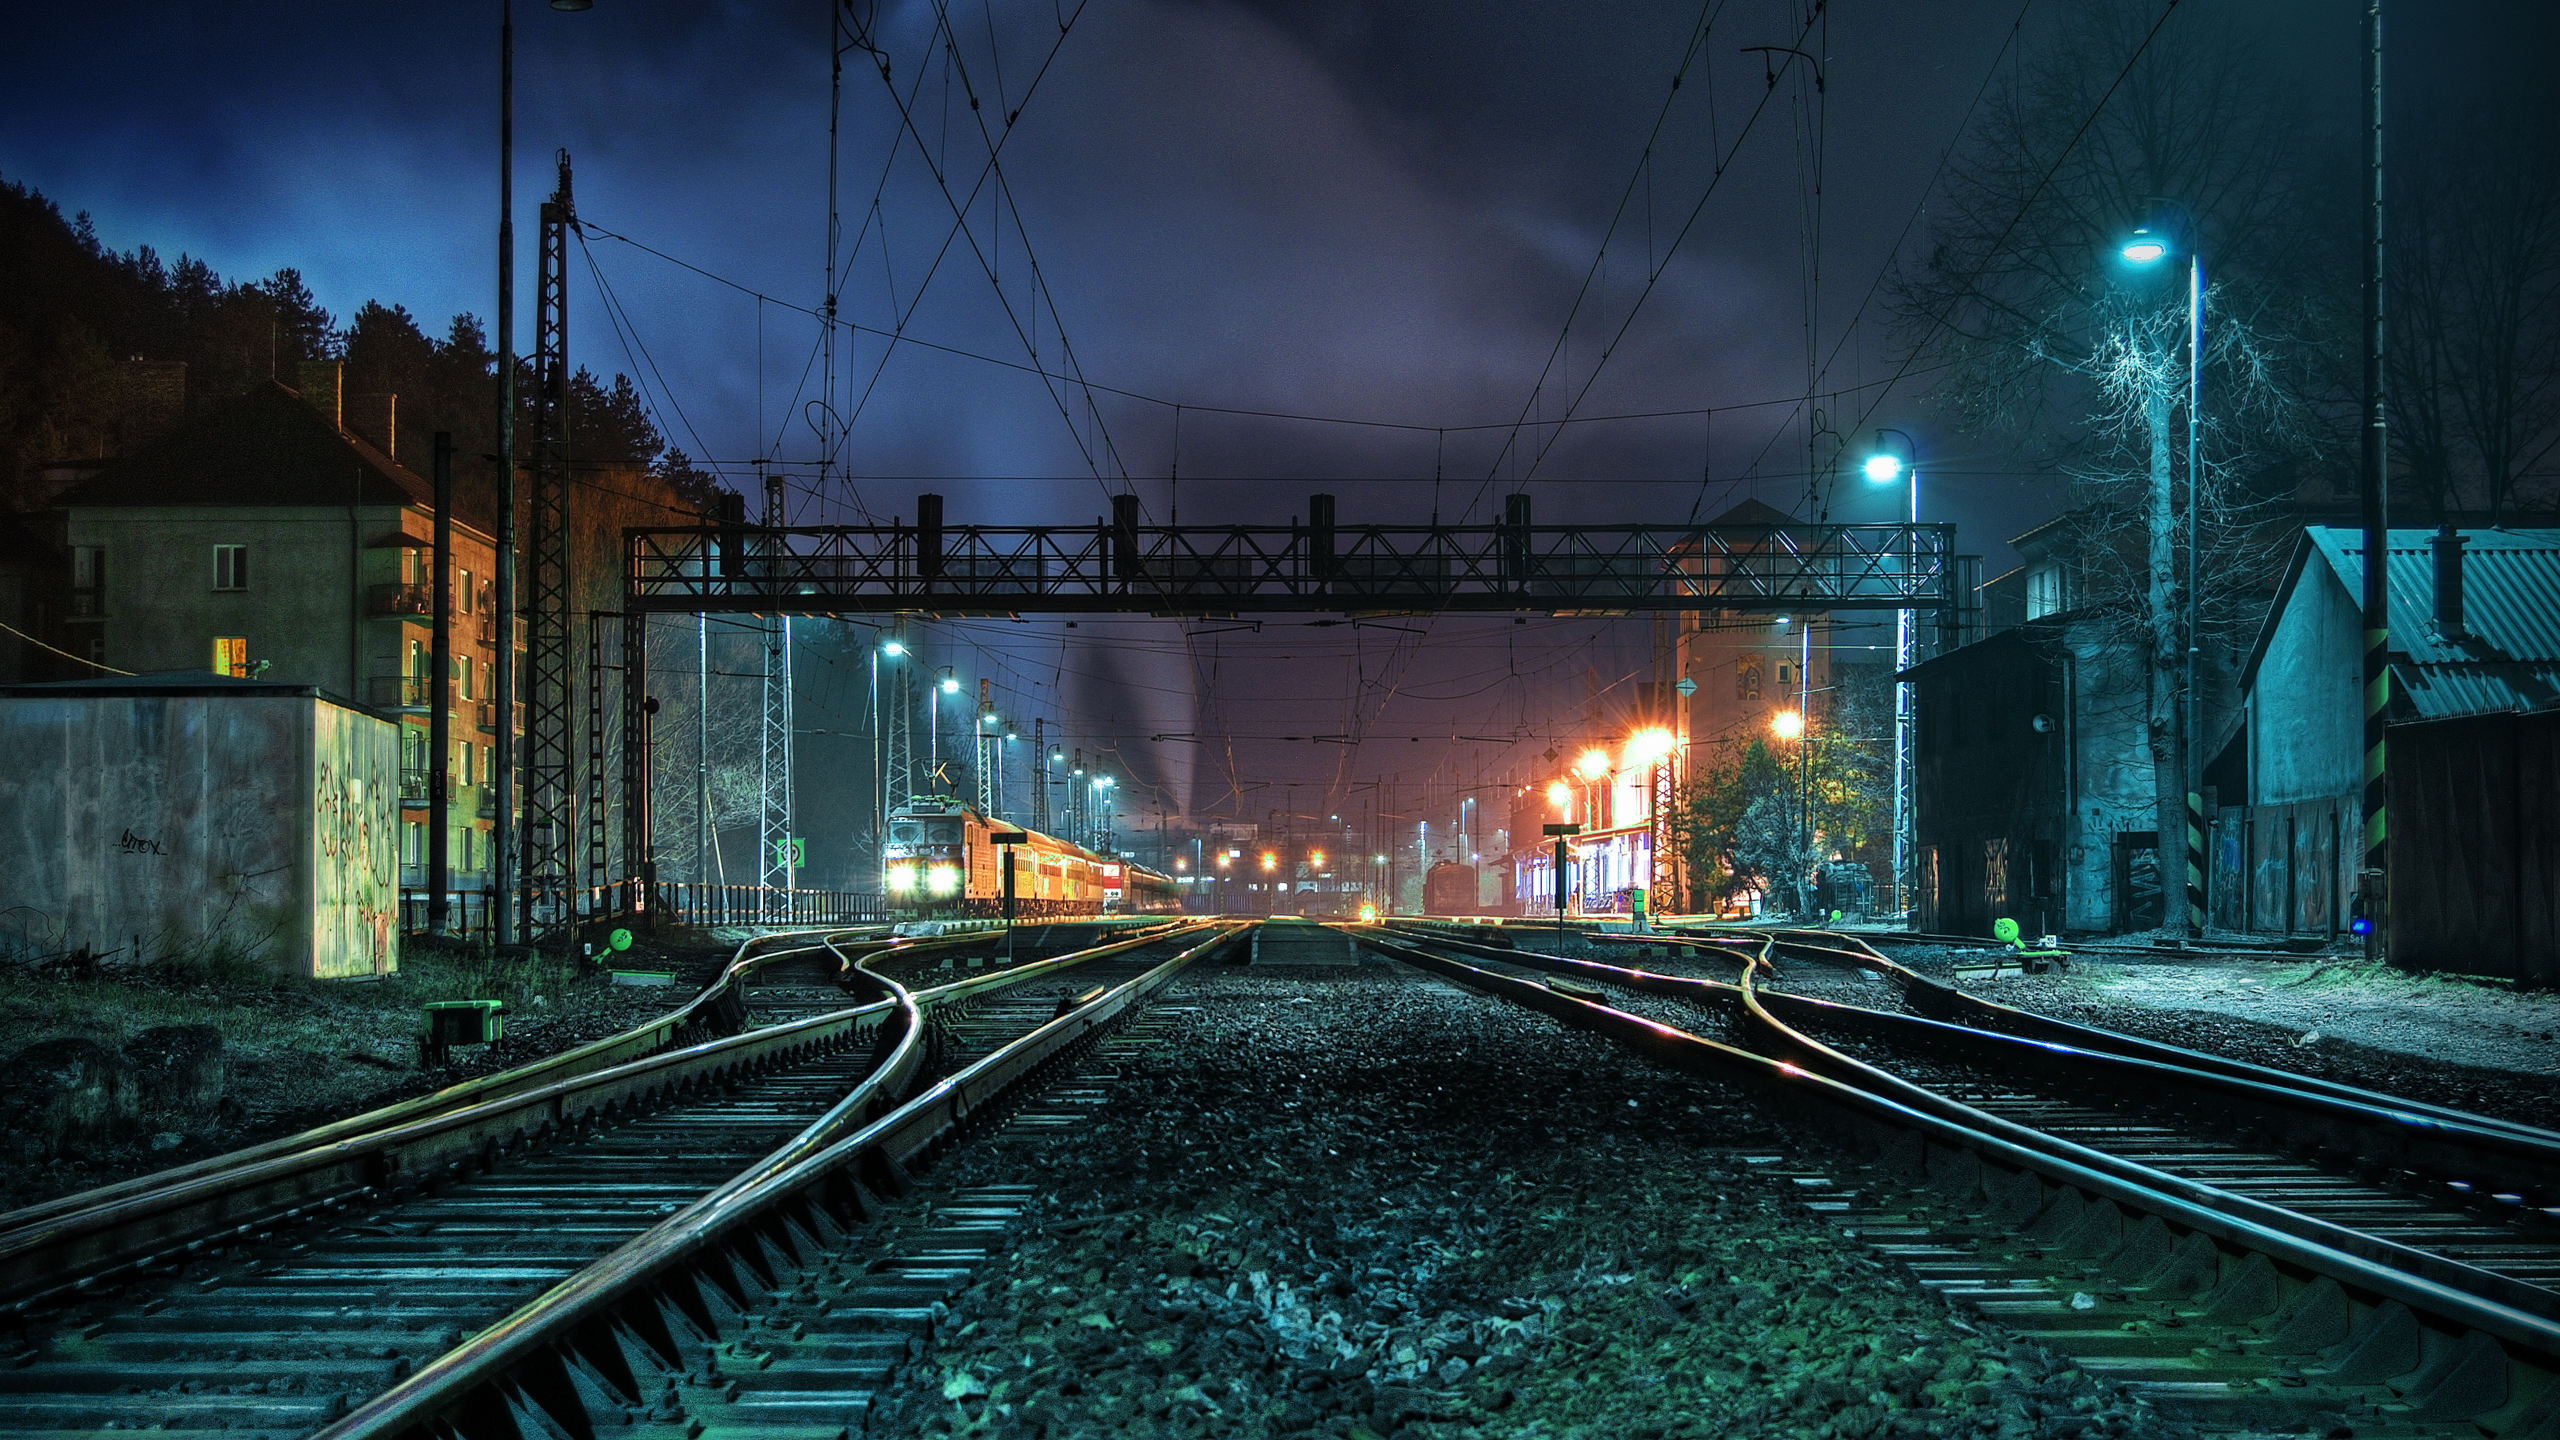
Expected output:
(2475, 305)
(2042, 334)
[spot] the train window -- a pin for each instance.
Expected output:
(945, 832)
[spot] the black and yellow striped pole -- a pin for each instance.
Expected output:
(2373, 915)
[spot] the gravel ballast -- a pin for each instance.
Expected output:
(287, 1054)
(1384, 1208)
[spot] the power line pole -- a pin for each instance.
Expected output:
(2374, 889)
(775, 869)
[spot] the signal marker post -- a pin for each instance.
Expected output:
(1004, 841)
(1561, 831)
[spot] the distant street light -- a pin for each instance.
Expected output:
(1787, 724)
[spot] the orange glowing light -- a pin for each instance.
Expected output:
(1592, 765)
(1787, 724)
(1648, 746)
(1559, 794)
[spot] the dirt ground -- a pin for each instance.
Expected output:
(290, 1054)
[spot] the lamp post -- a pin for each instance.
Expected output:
(945, 683)
(1883, 468)
(2144, 248)
(502, 836)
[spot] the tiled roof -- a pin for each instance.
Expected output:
(263, 448)
(2509, 658)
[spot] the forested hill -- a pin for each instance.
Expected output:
(82, 325)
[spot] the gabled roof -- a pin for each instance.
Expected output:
(1755, 511)
(2510, 656)
(265, 447)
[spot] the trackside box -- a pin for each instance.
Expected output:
(162, 815)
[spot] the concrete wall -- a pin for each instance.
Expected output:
(2112, 787)
(301, 611)
(156, 825)
(2306, 721)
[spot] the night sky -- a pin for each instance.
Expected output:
(1361, 212)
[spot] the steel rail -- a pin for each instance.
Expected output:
(643, 1039)
(2451, 1150)
(1941, 1001)
(1888, 1126)
(808, 1175)
(182, 1213)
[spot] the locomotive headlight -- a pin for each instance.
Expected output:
(942, 879)
(902, 879)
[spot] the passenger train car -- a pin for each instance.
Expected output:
(939, 861)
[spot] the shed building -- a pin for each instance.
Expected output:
(159, 816)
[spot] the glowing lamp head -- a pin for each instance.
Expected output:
(1368, 914)
(1884, 469)
(1592, 765)
(1269, 860)
(1558, 794)
(902, 879)
(892, 649)
(1317, 859)
(950, 686)
(2144, 248)
(1648, 747)
(1787, 724)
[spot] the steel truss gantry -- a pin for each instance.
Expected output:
(1319, 567)
(1122, 567)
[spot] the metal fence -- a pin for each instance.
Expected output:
(761, 905)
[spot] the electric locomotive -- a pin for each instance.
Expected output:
(940, 860)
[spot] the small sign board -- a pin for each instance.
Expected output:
(1008, 837)
(1687, 687)
(793, 852)
(1564, 829)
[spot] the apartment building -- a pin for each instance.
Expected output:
(278, 537)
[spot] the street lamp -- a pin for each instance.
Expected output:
(1883, 468)
(2142, 249)
(502, 836)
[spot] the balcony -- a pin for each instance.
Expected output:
(404, 694)
(488, 716)
(487, 804)
(413, 603)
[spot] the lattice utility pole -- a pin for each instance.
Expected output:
(897, 727)
(550, 782)
(986, 745)
(774, 869)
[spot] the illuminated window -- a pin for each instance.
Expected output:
(462, 593)
(231, 655)
(230, 567)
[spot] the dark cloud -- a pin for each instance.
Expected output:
(1346, 209)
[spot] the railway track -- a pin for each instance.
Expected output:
(277, 1292)
(2254, 1247)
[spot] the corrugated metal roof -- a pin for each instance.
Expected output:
(2510, 656)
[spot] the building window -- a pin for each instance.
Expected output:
(231, 655)
(88, 580)
(462, 593)
(230, 567)
(466, 664)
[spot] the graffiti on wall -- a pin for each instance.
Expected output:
(355, 837)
